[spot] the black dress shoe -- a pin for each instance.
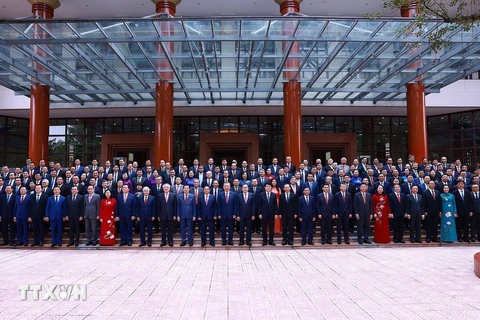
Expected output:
(460, 240)
(368, 241)
(290, 243)
(4, 244)
(230, 243)
(122, 244)
(284, 242)
(323, 242)
(33, 245)
(19, 244)
(76, 243)
(143, 244)
(311, 243)
(418, 241)
(149, 244)
(224, 244)
(191, 244)
(264, 244)
(52, 245)
(272, 244)
(339, 242)
(473, 240)
(59, 245)
(171, 244)
(347, 242)
(89, 243)
(303, 243)
(401, 241)
(395, 241)
(129, 244)
(40, 244)
(249, 244)
(329, 242)
(434, 240)
(203, 244)
(360, 242)
(183, 244)
(412, 241)
(163, 244)
(212, 244)
(94, 243)
(70, 244)
(427, 241)
(241, 243)
(25, 244)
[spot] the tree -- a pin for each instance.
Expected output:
(463, 14)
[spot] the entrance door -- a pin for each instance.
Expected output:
(140, 155)
(325, 153)
(240, 154)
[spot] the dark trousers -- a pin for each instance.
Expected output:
(270, 222)
(22, 231)
(363, 227)
(256, 224)
(74, 229)
(91, 229)
(8, 223)
(146, 223)
(288, 225)
(475, 226)
(326, 224)
(126, 226)
(211, 230)
(343, 222)
(224, 222)
(415, 227)
(56, 226)
(307, 229)
(431, 226)
(462, 223)
(38, 230)
(166, 228)
(156, 225)
(398, 228)
(186, 226)
(245, 225)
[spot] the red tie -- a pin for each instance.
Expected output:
(145, 200)
(206, 199)
(226, 198)
(186, 198)
(398, 197)
(326, 198)
(343, 196)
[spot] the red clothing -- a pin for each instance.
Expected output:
(107, 228)
(278, 221)
(381, 208)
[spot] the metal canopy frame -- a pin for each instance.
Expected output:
(235, 59)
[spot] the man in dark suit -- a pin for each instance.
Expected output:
(245, 213)
(255, 189)
(432, 204)
(289, 164)
(167, 212)
(125, 213)
(464, 211)
(288, 209)
(475, 223)
(186, 215)
(226, 211)
(75, 214)
(312, 185)
(415, 213)
(22, 211)
(397, 201)
(206, 216)
(38, 206)
(306, 214)
(266, 212)
(363, 213)
(343, 213)
(7, 215)
(139, 180)
(146, 212)
(326, 213)
(55, 214)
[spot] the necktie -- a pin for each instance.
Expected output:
(476, 195)
(8, 198)
(186, 198)
(245, 196)
(226, 198)
(364, 197)
(74, 197)
(268, 196)
(166, 197)
(398, 197)
(56, 198)
(145, 200)
(196, 196)
(287, 196)
(206, 199)
(415, 196)
(343, 196)
(306, 200)
(38, 197)
(326, 198)
(433, 194)
(21, 199)
(124, 198)
(371, 181)
(461, 193)
(90, 198)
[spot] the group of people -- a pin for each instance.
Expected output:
(246, 198)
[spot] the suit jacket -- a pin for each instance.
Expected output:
(252, 175)
(186, 210)
(125, 210)
(314, 188)
(267, 207)
(206, 210)
(38, 209)
(306, 211)
(56, 210)
(431, 205)
(290, 208)
(475, 206)
(463, 205)
(143, 182)
(414, 208)
(323, 208)
(245, 210)
(167, 210)
(205, 183)
(8, 207)
(404, 188)
(22, 208)
(75, 209)
(361, 208)
(292, 167)
(342, 207)
(146, 211)
(224, 209)
(386, 187)
(398, 208)
(91, 208)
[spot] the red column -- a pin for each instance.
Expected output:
(417, 120)
(416, 112)
(292, 110)
(39, 94)
(163, 144)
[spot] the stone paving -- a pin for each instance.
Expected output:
(357, 283)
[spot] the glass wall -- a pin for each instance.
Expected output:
(13, 141)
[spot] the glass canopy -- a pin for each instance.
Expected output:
(235, 59)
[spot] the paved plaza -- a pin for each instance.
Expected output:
(357, 283)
